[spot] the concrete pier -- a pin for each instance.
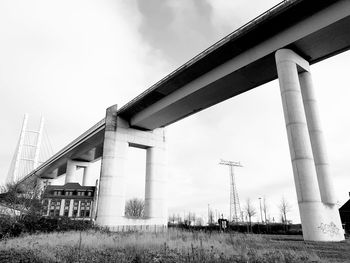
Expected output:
(70, 172)
(87, 176)
(318, 219)
(155, 188)
(119, 136)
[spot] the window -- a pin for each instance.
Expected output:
(75, 208)
(87, 209)
(45, 208)
(89, 193)
(82, 208)
(57, 212)
(82, 213)
(66, 208)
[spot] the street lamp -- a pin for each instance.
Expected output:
(261, 210)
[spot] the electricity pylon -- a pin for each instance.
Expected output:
(33, 148)
(235, 208)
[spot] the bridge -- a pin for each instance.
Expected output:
(281, 43)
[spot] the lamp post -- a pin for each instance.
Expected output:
(262, 221)
(209, 215)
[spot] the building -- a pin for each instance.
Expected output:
(344, 212)
(70, 200)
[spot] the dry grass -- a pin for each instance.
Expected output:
(174, 246)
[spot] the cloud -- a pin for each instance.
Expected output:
(177, 29)
(69, 62)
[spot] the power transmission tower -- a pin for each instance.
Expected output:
(235, 208)
(32, 149)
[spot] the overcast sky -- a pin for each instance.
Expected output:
(70, 60)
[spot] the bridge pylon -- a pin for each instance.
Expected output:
(33, 148)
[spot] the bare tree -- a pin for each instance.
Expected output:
(179, 219)
(284, 208)
(135, 207)
(21, 198)
(172, 219)
(199, 221)
(250, 211)
(211, 219)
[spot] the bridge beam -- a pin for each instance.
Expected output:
(319, 216)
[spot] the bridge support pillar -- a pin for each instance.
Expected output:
(71, 176)
(155, 189)
(119, 136)
(70, 172)
(111, 201)
(319, 217)
(87, 176)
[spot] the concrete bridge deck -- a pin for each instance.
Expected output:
(239, 62)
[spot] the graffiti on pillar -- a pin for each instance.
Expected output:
(330, 229)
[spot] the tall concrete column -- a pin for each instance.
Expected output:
(87, 176)
(319, 149)
(111, 201)
(155, 188)
(316, 137)
(316, 221)
(70, 172)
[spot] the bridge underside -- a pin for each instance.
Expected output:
(250, 69)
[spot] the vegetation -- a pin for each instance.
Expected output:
(21, 199)
(173, 246)
(135, 207)
(250, 211)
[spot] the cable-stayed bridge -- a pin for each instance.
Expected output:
(33, 149)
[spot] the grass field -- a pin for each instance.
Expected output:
(173, 246)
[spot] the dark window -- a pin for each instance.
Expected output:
(75, 208)
(57, 212)
(44, 210)
(87, 213)
(66, 208)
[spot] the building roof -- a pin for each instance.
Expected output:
(69, 186)
(346, 206)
